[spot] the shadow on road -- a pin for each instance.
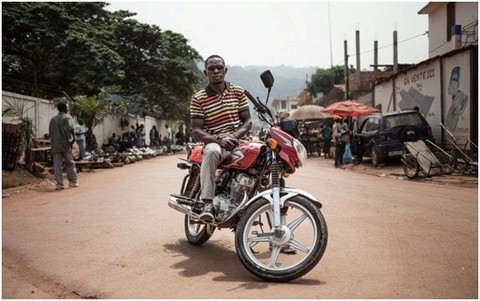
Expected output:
(217, 256)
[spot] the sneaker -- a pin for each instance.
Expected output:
(59, 187)
(73, 184)
(207, 214)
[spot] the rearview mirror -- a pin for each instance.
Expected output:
(267, 79)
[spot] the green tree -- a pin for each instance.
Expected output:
(92, 110)
(165, 74)
(80, 48)
(60, 46)
(321, 80)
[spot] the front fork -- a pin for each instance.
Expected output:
(277, 205)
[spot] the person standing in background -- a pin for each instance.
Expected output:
(326, 132)
(62, 133)
(168, 139)
(80, 138)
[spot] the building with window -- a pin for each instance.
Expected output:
(281, 105)
(444, 87)
(451, 25)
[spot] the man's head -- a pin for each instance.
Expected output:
(166, 126)
(80, 121)
(215, 69)
(62, 107)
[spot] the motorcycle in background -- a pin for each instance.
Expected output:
(280, 232)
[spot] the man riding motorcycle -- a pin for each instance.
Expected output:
(219, 117)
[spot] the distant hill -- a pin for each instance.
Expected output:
(289, 81)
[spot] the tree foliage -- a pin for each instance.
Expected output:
(321, 80)
(80, 48)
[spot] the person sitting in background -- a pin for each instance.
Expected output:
(113, 141)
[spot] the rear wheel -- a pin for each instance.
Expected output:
(445, 160)
(375, 156)
(197, 232)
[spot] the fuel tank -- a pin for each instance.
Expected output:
(242, 157)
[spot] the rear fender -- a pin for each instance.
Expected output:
(286, 193)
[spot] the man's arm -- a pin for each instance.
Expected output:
(201, 136)
(246, 125)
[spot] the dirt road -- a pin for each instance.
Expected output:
(116, 237)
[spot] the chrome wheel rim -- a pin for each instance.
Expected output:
(301, 234)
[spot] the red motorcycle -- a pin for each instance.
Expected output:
(280, 232)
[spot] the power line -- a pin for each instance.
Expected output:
(389, 45)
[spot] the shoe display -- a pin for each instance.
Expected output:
(208, 213)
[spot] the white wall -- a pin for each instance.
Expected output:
(465, 13)
(422, 86)
(437, 36)
(42, 110)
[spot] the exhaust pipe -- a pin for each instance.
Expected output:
(174, 203)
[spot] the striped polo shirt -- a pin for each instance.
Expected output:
(220, 114)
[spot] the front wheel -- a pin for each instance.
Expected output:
(283, 258)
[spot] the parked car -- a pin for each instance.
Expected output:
(382, 136)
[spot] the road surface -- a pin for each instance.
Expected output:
(116, 237)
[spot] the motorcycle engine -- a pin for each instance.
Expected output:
(225, 203)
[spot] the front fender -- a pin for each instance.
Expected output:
(285, 194)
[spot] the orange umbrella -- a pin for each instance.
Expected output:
(350, 108)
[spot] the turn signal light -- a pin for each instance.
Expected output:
(272, 143)
(285, 174)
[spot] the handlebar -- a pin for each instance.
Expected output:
(260, 107)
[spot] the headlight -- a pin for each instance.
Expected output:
(301, 152)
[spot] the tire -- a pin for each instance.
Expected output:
(410, 166)
(447, 162)
(255, 253)
(375, 156)
(197, 233)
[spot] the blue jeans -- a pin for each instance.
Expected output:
(81, 147)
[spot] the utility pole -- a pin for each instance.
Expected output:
(345, 48)
(395, 52)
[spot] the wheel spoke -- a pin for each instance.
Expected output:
(252, 239)
(274, 257)
(293, 225)
(295, 244)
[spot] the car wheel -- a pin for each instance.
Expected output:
(375, 156)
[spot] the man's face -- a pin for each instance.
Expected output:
(215, 70)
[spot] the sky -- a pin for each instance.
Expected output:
(298, 34)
